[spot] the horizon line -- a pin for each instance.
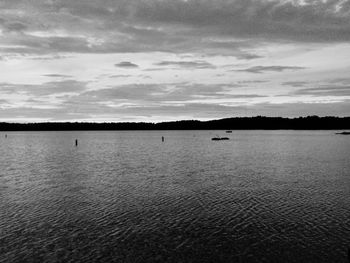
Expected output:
(174, 121)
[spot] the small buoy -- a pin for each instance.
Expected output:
(76, 142)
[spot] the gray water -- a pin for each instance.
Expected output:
(124, 196)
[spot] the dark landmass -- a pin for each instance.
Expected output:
(238, 123)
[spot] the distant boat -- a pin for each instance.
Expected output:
(220, 139)
(343, 133)
(228, 131)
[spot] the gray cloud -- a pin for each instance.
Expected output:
(2, 101)
(15, 26)
(28, 44)
(155, 69)
(295, 83)
(129, 76)
(241, 29)
(90, 110)
(71, 111)
(49, 57)
(262, 69)
(126, 64)
(343, 81)
(203, 110)
(340, 108)
(187, 64)
(57, 76)
(247, 56)
(154, 100)
(230, 27)
(144, 94)
(120, 76)
(192, 110)
(48, 88)
(324, 91)
(252, 81)
(308, 21)
(49, 114)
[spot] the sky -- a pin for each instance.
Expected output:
(164, 60)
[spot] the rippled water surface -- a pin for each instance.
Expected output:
(124, 196)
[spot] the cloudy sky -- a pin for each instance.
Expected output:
(156, 60)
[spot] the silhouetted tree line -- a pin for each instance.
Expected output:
(237, 123)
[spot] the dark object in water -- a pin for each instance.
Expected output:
(162, 138)
(76, 142)
(219, 138)
(343, 133)
(228, 131)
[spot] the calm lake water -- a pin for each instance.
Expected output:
(124, 196)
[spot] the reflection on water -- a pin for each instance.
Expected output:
(263, 196)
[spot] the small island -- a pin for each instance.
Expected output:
(220, 139)
(343, 133)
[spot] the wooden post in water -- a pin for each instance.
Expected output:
(76, 142)
(162, 138)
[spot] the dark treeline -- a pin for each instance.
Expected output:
(238, 123)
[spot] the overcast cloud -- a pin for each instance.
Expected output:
(88, 59)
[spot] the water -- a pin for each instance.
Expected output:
(263, 196)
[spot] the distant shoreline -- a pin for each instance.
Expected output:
(236, 123)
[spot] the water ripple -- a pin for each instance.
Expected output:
(126, 197)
